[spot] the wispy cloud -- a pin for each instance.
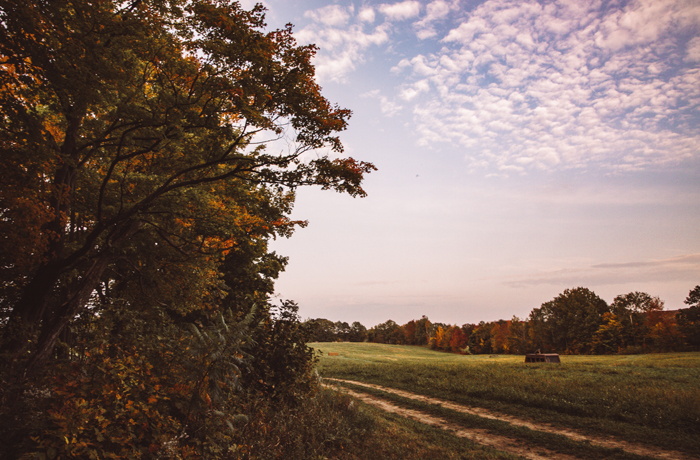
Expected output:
(693, 50)
(520, 85)
(388, 108)
(686, 267)
(342, 37)
(400, 11)
(435, 11)
(366, 14)
(332, 15)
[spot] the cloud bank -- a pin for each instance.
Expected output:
(518, 85)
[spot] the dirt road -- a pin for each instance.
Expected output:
(498, 442)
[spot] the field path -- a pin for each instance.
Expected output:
(498, 442)
(482, 437)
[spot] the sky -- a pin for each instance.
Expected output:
(523, 148)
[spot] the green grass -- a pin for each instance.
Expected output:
(554, 442)
(648, 399)
(398, 438)
(332, 425)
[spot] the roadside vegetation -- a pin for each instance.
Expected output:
(652, 400)
(136, 207)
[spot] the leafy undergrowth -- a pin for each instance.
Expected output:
(647, 399)
(326, 425)
(333, 425)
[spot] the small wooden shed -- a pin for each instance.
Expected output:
(542, 358)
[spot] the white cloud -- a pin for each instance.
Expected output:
(388, 108)
(466, 31)
(400, 11)
(693, 50)
(435, 11)
(331, 15)
(366, 14)
(410, 92)
(562, 86)
(428, 32)
(645, 21)
(404, 63)
(342, 43)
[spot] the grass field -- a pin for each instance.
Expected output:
(652, 400)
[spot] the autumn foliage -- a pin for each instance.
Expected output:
(575, 322)
(142, 181)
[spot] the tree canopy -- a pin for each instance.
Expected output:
(136, 132)
(689, 318)
(150, 149)
(569, 321)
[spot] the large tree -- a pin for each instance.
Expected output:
(569, 321)
(150, 149)
(631, 312)
(689, 318)
(133, 144)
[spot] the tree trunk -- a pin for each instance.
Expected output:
(79, 298)
(26, 315)
(67, 312)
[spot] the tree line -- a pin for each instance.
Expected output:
(577, 321)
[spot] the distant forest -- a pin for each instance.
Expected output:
(577, 321)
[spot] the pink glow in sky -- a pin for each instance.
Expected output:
(523, 148)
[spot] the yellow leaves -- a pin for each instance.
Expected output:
(111, 405)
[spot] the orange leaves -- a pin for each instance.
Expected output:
(342, 174)
(113, 406)
(184, 223)
(137, 156)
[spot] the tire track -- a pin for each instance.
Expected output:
(481, 437)
(484, 413)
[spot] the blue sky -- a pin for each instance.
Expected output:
(523, 148)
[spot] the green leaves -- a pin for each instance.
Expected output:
(567, 323)
(689, 319)
(136, 220)
(138, 120)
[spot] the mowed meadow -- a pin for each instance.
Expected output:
(651, 400)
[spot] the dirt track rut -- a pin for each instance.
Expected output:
(498, 442)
